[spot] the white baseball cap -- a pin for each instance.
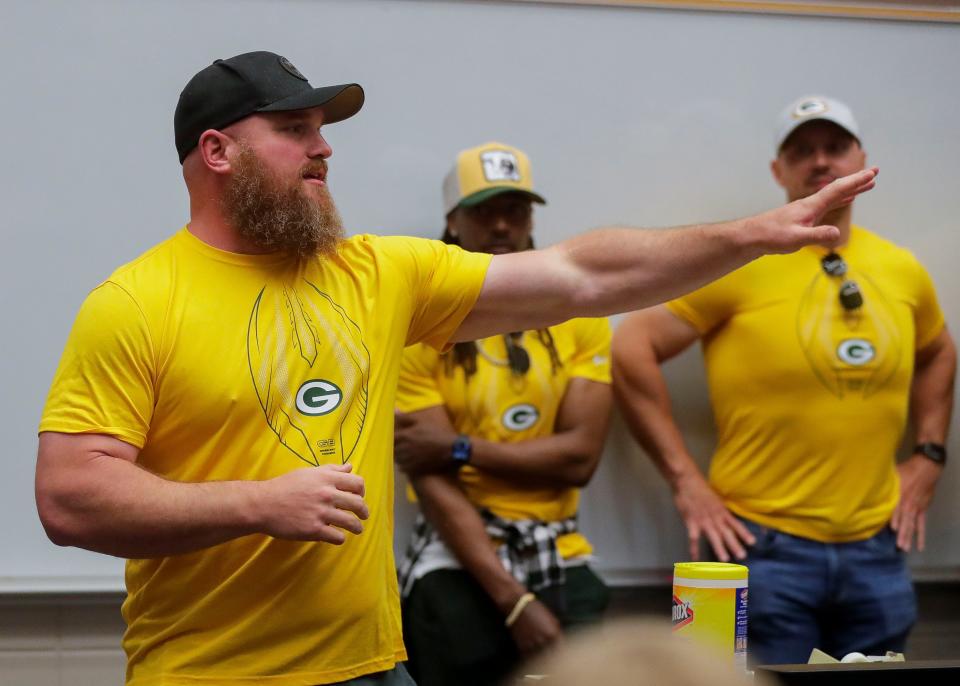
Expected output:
(810, 108)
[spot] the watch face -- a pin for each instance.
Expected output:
(461, 449)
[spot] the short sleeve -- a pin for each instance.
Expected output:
(709, 306)
(105, 380)
(445, 282)
(418, 388)
(928, 316)
(591, 359)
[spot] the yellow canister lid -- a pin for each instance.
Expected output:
(709, 570)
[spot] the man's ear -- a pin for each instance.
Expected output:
(214, 147)
(449, 227)
(775, 170)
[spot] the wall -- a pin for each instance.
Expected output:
(645, 117)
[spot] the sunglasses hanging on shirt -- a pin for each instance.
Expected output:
(517, 356)
(850, 296)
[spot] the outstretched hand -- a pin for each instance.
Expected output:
(796, 224)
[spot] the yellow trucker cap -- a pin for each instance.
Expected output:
(485, 171)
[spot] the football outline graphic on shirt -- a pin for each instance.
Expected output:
(849, 353)
(310, 369)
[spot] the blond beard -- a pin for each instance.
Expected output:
(278, 216)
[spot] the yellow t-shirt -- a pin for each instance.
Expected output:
(811, 402)
(497, 405)
(222, 366)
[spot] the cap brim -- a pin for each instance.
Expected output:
(487, 193)
(338, 102)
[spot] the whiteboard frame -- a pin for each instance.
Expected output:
(893, 11)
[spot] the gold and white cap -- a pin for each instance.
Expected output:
(485, 171)
(811, 108)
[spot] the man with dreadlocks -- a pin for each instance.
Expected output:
(497, 436)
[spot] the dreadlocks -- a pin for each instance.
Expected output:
(464, 354)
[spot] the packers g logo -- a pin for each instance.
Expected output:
(520, 417)
(318, 397)
(808, 108)
(856, 351)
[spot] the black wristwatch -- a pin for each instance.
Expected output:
(461, 450)
(933, 451)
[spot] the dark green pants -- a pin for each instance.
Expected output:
(455, 635)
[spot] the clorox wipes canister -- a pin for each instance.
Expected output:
(710, 606)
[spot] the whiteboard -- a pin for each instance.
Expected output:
(638, 116)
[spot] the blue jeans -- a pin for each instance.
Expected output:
(395, 677)
(839, 597)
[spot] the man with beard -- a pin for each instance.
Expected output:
(812, 360)
(222, 414)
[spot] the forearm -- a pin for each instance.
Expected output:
(618, 270)
(931, 402)
(662, 441)
(603, 272)
(644, 401)
(629, 269)
(112, 506)
(557, 461)
(462, 530)
(658, 434)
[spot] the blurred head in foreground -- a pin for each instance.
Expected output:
(639, 652)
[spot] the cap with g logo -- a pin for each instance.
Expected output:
(811, 108)
(231, 89)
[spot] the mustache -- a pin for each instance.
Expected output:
(279, 214)
(315, 168)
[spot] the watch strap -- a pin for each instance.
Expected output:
(933, 451)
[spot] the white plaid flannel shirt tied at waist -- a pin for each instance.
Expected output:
(528, 551)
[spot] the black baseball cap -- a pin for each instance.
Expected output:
(231, 89)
